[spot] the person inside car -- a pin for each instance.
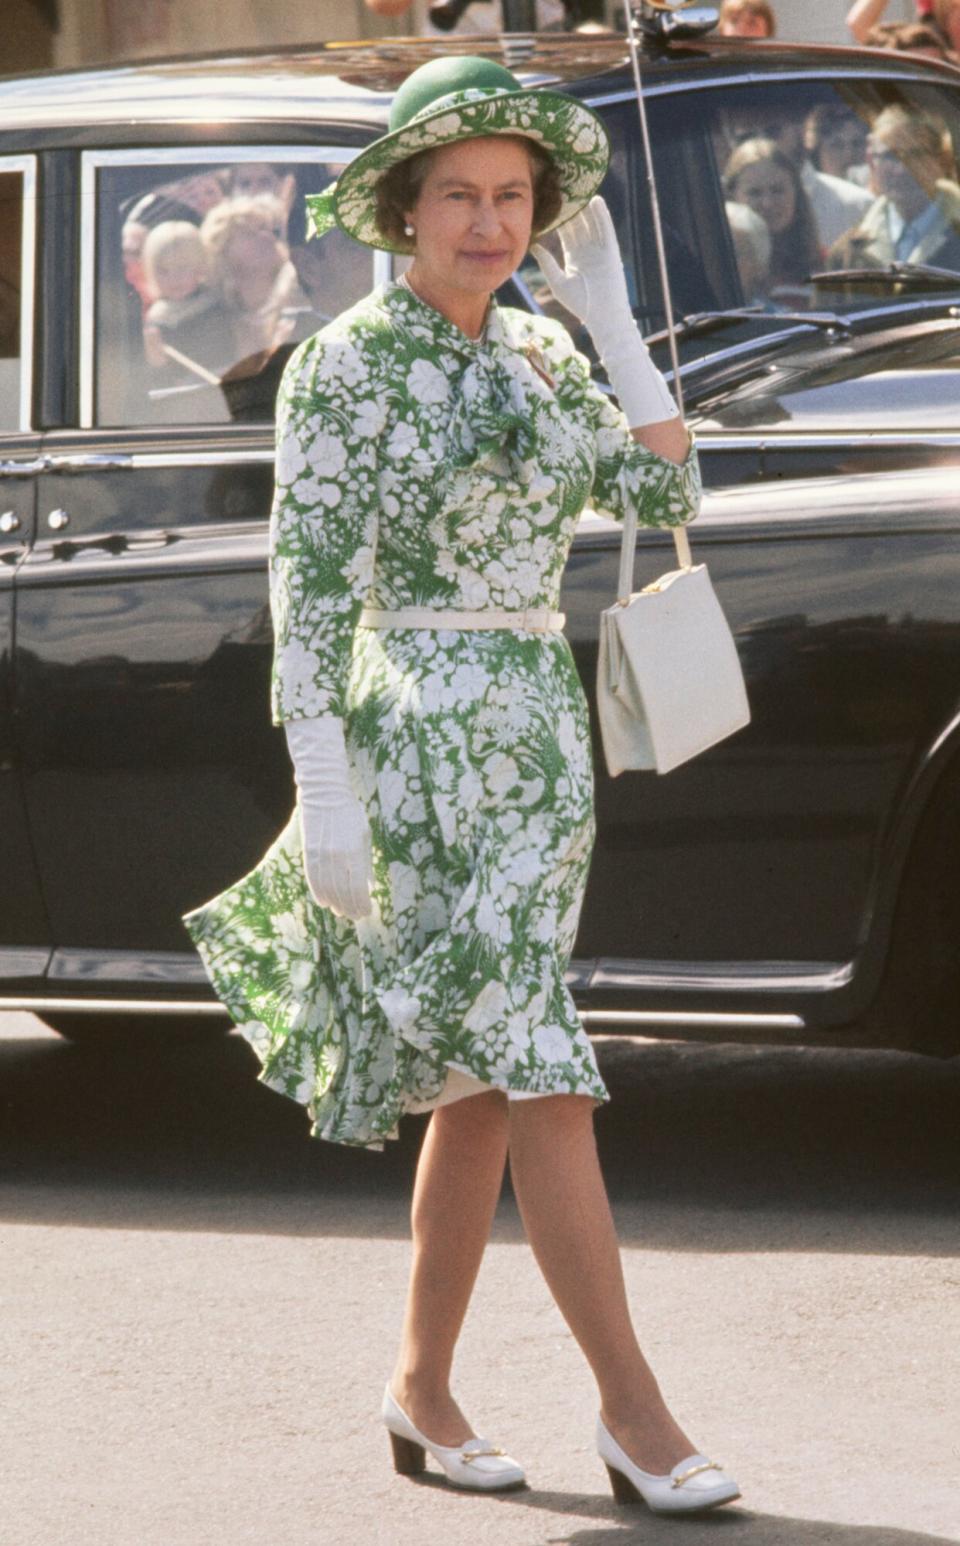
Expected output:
(915, 217)
(177, 271)
(837, 202)
(759, 175)
(324, 284)
(835, 142)
(250, 263)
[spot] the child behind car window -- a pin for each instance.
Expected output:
(176, 268)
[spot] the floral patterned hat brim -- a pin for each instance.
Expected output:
(574, 135)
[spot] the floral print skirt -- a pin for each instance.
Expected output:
(471, 752)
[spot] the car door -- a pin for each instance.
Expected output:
(152, 775)
(752, 871)
(24, 935)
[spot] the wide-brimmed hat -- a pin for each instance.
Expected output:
(463, 98)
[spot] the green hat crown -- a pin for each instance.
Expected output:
(457, 98)
(428, 86)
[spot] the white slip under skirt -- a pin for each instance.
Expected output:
(459, 1084)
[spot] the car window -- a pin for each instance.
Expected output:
(16, 273)
(700, 269)
(808, 177)
(205, 281)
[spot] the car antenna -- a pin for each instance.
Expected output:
(658, 17)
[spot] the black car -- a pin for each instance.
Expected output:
(801, 881)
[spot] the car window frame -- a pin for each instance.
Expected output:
(26, 165)
(93, 161)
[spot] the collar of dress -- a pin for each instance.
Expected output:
(489, 428)
(402, 300)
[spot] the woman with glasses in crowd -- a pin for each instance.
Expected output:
(915, 217)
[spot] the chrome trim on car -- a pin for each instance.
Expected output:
(689, 1017)
(143, 459)
(186, 155)
(10, 1003)
(175, 155)
(146, 1006)
(94, 461)
(27, 469)
(825, 440)
(811, 978)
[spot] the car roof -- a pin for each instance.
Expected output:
(356, 81)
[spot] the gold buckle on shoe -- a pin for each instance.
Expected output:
(708, 1465)
(471, 1454)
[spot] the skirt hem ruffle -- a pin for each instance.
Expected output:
(321, 1107)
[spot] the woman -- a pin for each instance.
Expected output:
(250, 266)
(402, 944)
(761, 176)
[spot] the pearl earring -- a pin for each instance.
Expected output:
(408, 230)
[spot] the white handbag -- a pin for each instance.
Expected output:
(669, 682)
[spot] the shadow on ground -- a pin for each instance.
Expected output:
(744, 1527)
(830, 1132)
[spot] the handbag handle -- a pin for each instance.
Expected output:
(629, 543)
(628, 548)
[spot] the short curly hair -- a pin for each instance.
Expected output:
(254, 213)
(399, 188)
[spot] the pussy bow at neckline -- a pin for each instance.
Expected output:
(489, 421)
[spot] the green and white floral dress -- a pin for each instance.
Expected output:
(417, 467)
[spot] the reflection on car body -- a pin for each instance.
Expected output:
(796, 879)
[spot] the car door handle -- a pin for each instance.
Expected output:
(91, 461)
(58, 519)
(9, 521)
(24, 469)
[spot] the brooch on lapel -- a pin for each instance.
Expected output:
(539, 364)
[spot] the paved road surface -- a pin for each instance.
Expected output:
(200, 1307)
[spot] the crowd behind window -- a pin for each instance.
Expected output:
(206, 283)
(207, 279)
(836, 187)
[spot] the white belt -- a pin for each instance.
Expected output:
(534, 619)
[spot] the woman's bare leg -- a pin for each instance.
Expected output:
(458, 1181)
(563, 1202)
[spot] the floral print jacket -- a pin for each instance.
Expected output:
(418, 467)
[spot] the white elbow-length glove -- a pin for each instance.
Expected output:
(336, 832)
(592, 285)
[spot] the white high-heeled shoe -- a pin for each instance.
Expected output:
(475, 1463)
(693, 1484)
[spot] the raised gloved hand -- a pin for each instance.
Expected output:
(592, 285)
(336, 833)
